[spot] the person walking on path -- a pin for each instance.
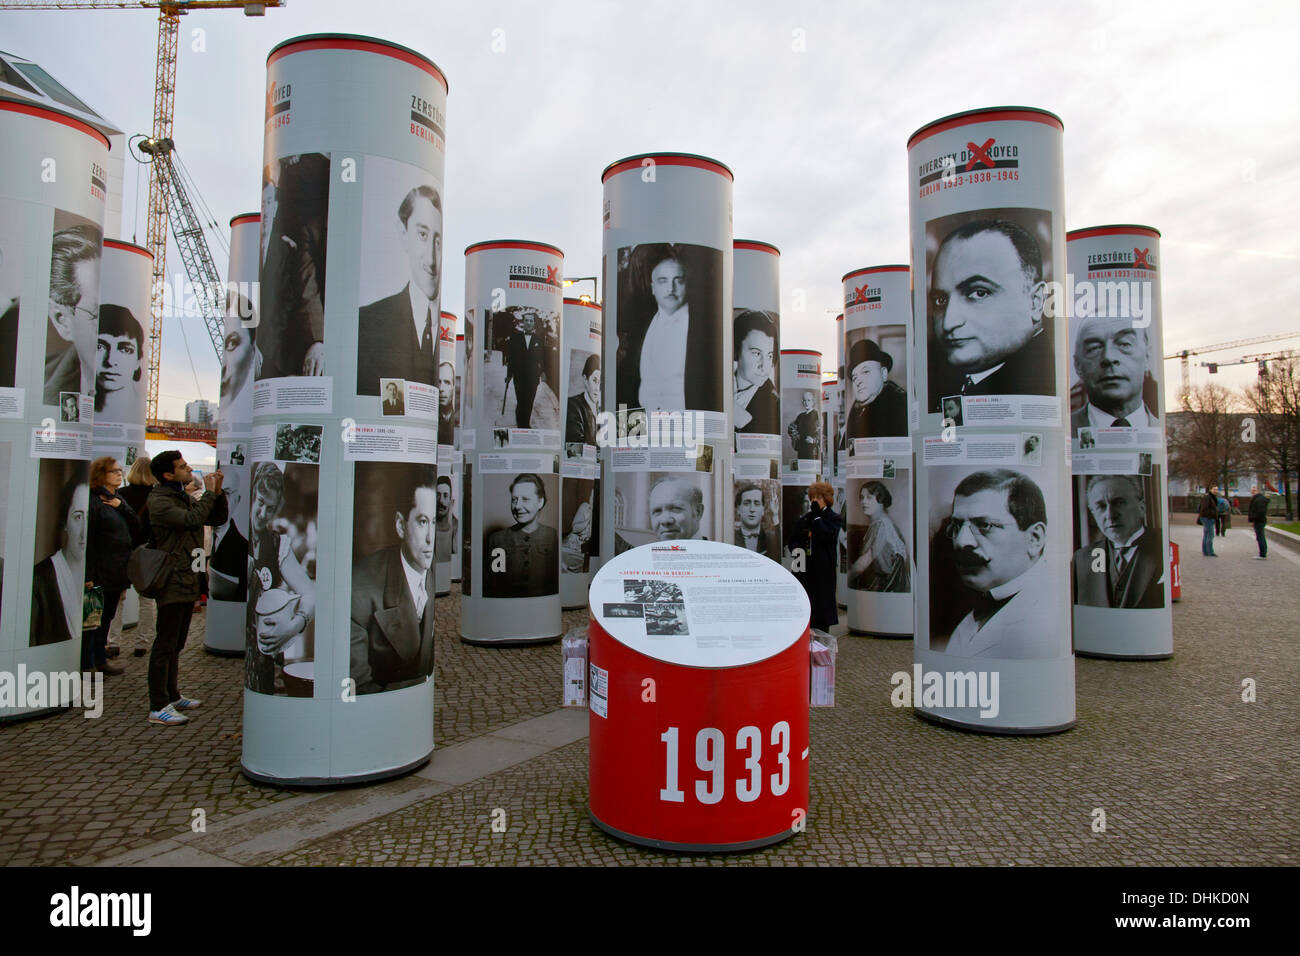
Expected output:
(177, 521)
(1222, 521)
(1257, 514)
(817, 534)
(1208, 516)
(114, 531)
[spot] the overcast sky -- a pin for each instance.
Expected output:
(1179, 115)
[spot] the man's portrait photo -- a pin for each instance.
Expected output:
(990, 588)
(393, 392)
(521, 368)
(950, 406)
(12, 227)
(447, 539)
(401, 249)
(1087, 439)
(757, 519)
(69, 407)
(446, 403)
(521, 557)
(803, 429)
(757, 372)
(71, 334)
(295, 210)
(1122, 558)
(1112, 360)
(661, 507)
(670, 314)
(392, 575)
(583, 406)
(1031, 448)
(986, 290)
(877, 386)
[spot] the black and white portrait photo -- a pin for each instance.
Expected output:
(401, 275)
(521, 368)
(395, 506)
(876, 363)
(298, 443)
(986, 290)
(239, 357)
(446, 541)
(447, 400)
(70, 334)
(878, 518)
(6, 459)
(1120, 555)
(654, 506)
(468, 419)
(580, 524)
(521, 546)
(392, 392)
(670, 313)
(1087, 439)
(466, 527)
(991, 591)
(69, 407)
(950, 408)
(803, 425)
(280, 644)
(58, 578)
(291, 323)
(583, 405)
(228, 558)
(1031, 448)
(1113, 363)
(756, 372)
(758, 516)
(119, 366)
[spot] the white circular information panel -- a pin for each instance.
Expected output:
(699, 603)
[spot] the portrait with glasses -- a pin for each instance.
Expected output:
(71, 335)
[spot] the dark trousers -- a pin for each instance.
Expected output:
(1260, 539)
(164, 661)
(525, 395)
(94, 644)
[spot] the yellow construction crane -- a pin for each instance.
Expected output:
(1185, 354)
(169, 16)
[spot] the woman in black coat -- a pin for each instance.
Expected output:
(114, 531)
(817, 534)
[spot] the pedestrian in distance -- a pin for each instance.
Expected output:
(1208, 516)
(1257, 514)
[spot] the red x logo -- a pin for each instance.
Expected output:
(552, 273)
(1140, 260)
(444, 333)
(859, 294)
(980, 154)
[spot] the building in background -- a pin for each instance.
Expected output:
(200, 412)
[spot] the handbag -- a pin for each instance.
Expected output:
(92, 607)
(150, 570)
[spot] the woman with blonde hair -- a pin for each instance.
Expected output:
(113, 531)
(136, 493)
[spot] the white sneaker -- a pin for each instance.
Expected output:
(168, 717)
(186, 703)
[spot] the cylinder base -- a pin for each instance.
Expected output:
(510, 642)
(692, 847)
(223, 651)
(334, 781)
(1123, 657)
(994, 731)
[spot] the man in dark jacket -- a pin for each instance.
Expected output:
(177, 522)
(524, 367)
(816, 534)
(1257, 514)
(1207, 516)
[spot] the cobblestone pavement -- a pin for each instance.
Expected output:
(1186, 772)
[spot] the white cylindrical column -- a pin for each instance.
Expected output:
(986, 198)
(580, 466)
(225, 630)
(839, 466)
(445, 533)
(1120, 569)
(345, 414)
(457, 466)
(511, 435)
(668, 339)
(755, 494)
(51, 241)
(878, 492)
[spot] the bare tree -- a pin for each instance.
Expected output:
(1206, 440)
(1274, 404)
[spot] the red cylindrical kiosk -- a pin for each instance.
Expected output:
(698, 697)
(1175, 574)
